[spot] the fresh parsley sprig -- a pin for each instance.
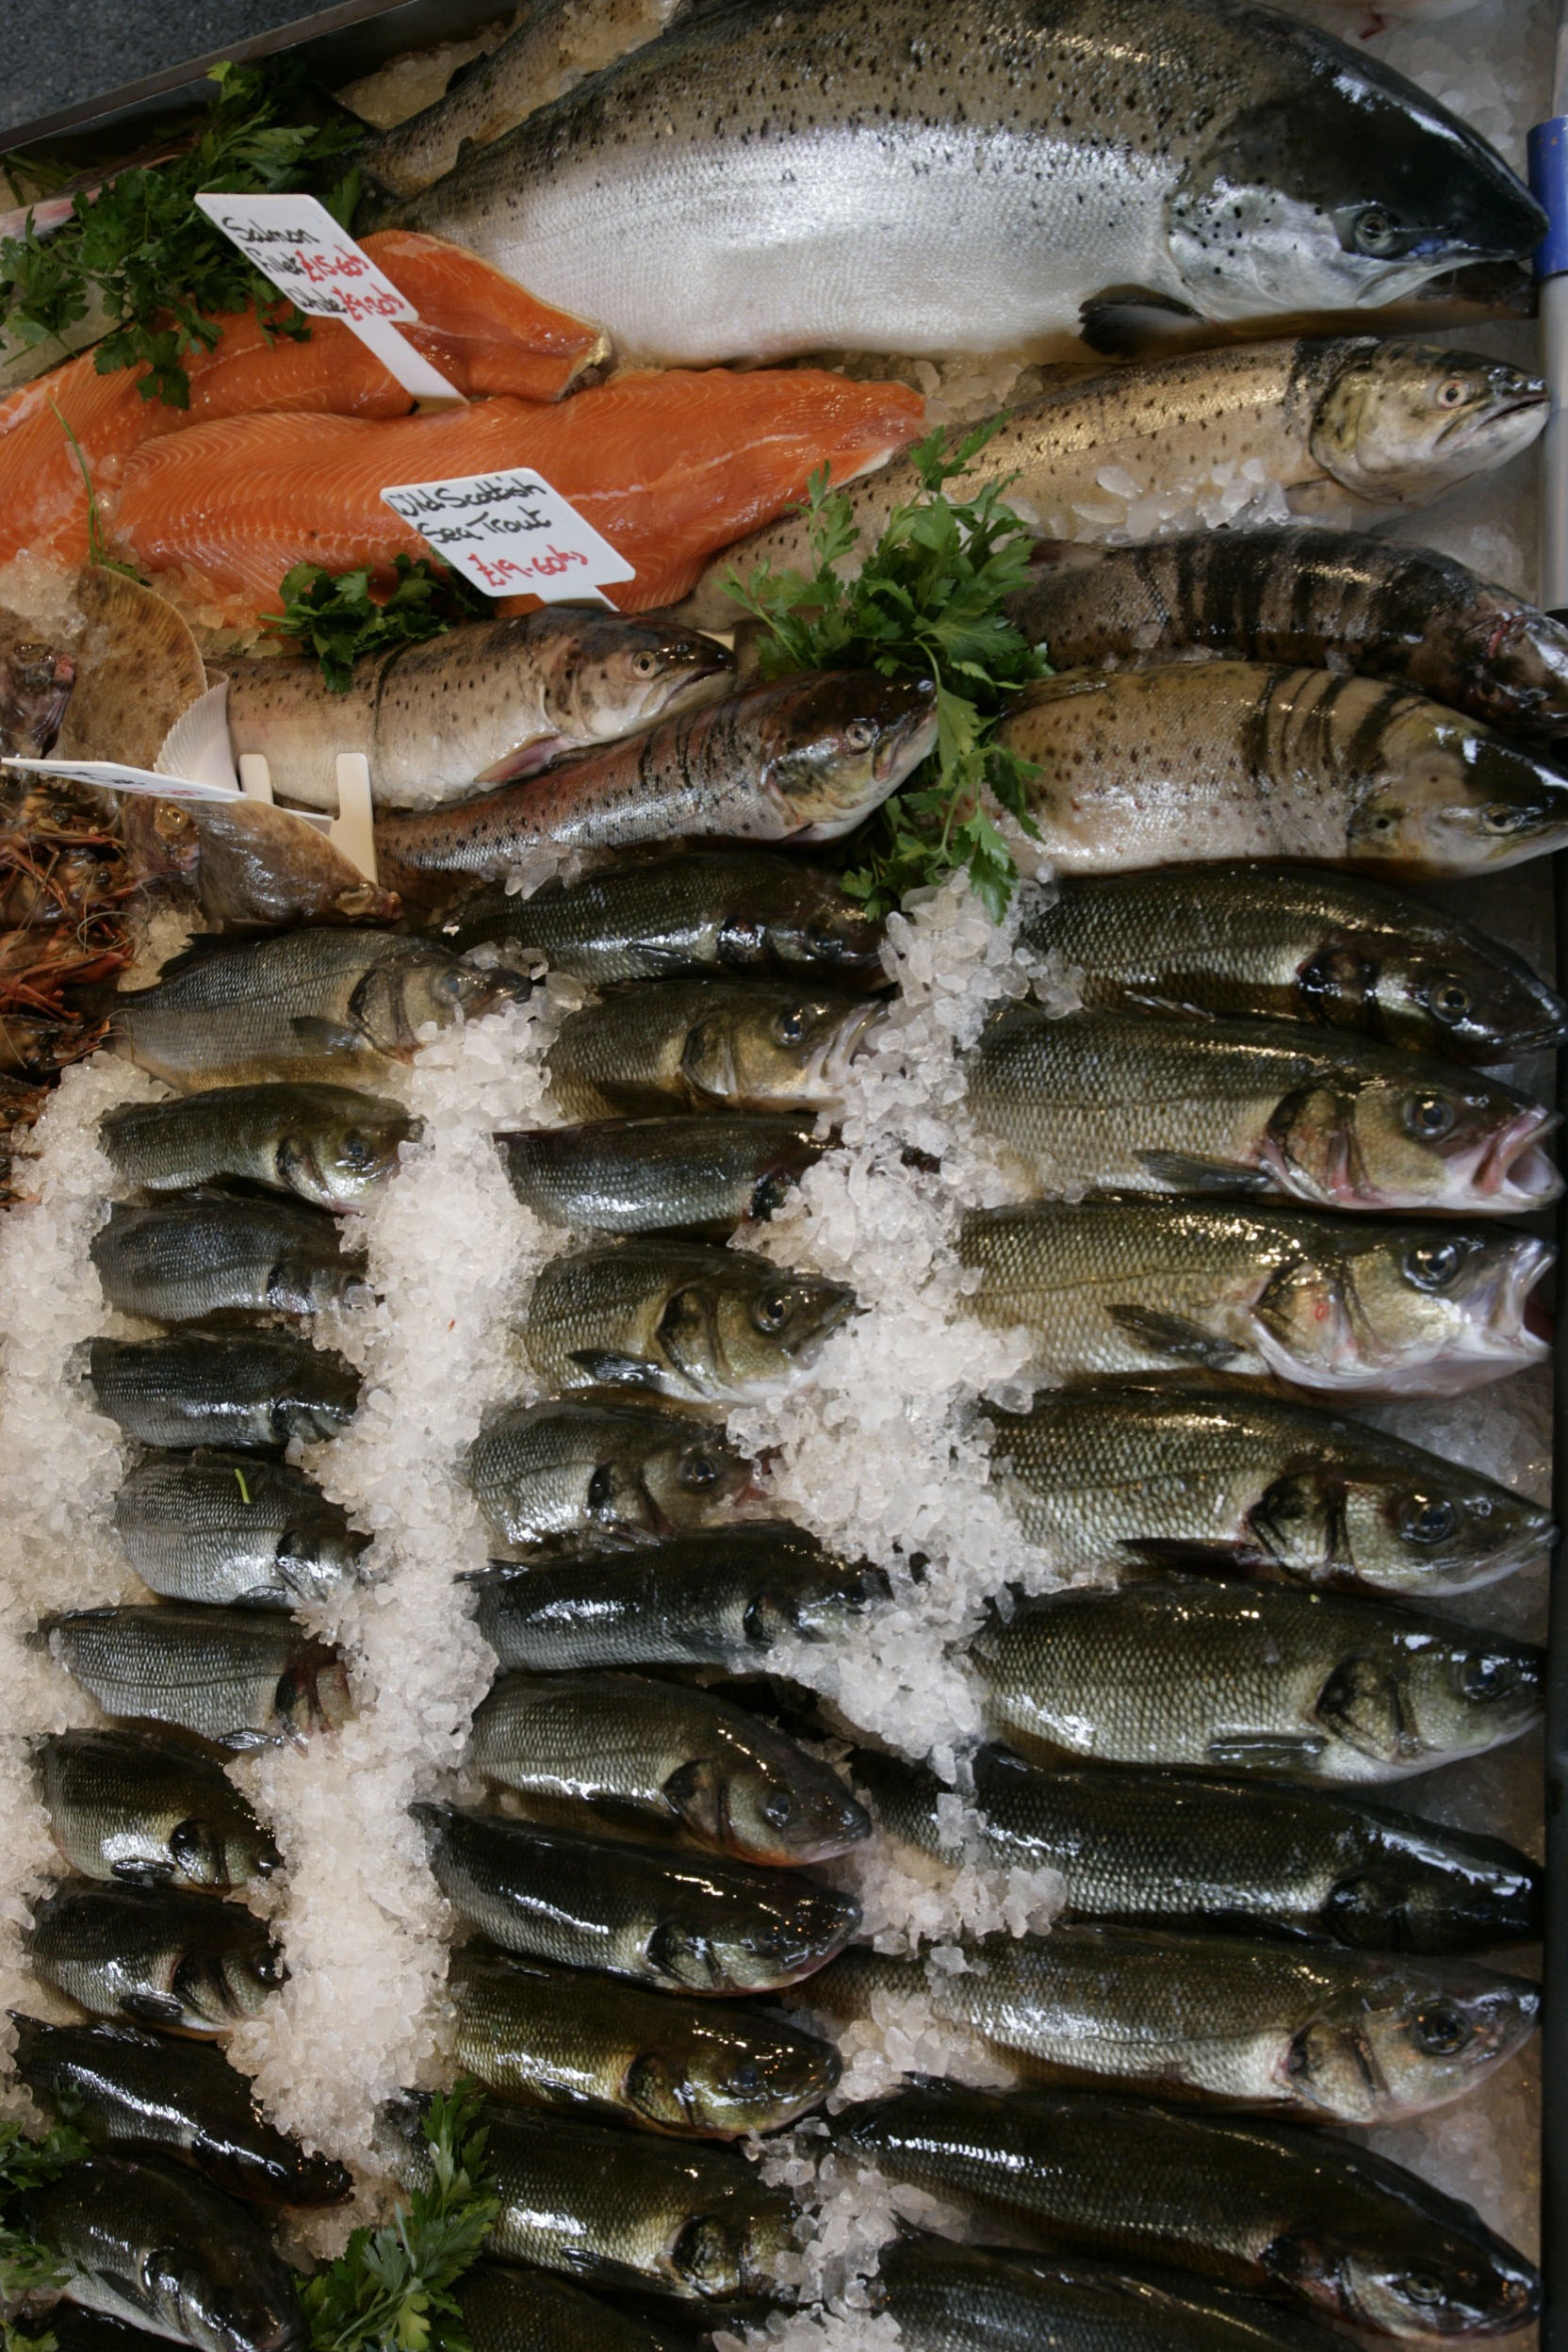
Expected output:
(930, 599)
(335, 617)
(137, 249)
(25, 2266)
(391, 2288)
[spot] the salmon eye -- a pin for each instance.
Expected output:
(1429, 1116)
(1432, 1265)
(1440, 2029)
(1502, 818)
(861, 734)
(1450, 392)
(1377, 232)
(1425, 1520)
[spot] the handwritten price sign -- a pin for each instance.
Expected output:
(295, 242)
(511, 534)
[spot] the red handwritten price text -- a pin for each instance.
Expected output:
(499, 572)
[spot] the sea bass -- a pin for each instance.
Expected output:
(1346, 423)
(126, 1806)
(686, 1922)
(209, 1255)
(154, 1956)
(702, 1174)
(1119, 1102)
(1241, 166)
(1117, 1286)
(681, 1317)
(503, 2308)
(741, 911)
(602, 1470)
(1162, 1473)
(626, 1755)
(1315, 598)
(332, 1144)
(341, 1005)
(486, 702)
(1196, 1849)
(226, 1529)
(1241, 2199)
(250, 1389)
(239, 1678)
(1332, 950)
(699, 1044)
(803, 760)
(1343, 2038)
(1186, 761)
(1261, 1678)
(559, 2038)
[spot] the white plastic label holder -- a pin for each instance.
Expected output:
(353, 830)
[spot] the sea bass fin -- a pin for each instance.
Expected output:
(1266, 1751)
(1173, 1335)
(1150, 1001)
(153, 2008)
(1124, 320)
(1360, 1705)
(326, 1037)
(1184, 1173)
(605, 1368)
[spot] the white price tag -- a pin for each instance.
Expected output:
(511, 534)
(118, 779)
(294, 241)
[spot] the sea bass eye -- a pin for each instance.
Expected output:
(1420, 2287)
(697, 1470)
(790, 1028)
(1441, 2029)
(1429, 1116)
(1432, 1265)
(772, 1310)
(1425, 1521)
(1449, 1002)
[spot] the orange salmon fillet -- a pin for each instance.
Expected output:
(669, 468)
(486, 335)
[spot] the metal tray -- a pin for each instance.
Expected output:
(340, 44)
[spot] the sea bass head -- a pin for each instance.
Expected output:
(1412, 2035)
(764, 1047)
(1442, 794)
(1439, 1527)
(1402, 1310)
(1429, 1138)
(842, 743)
(1334, 184)
(1467, 1001)
(614, 674)
(733, 2083)
(1399, 423)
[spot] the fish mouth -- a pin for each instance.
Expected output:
(1538, 1534)
(847, 1040)
(1512, 1172)
(1530, 403)
(1510, 1324)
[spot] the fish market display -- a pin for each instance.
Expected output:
(332, 1144)
(250, 866)
(1159, 1473)
(251, 1389)
(125, 1806)
(1353, 422)
(1343, 2036)
(36, 679)
(1331, 1303)
(1188, 761)
(135, 2092)
(608, 1470)
(1252, 2203)
(714, 1596)
(648, 1913)
(1236, 173)
(207, 1254)
(742, 910)
(803, 759)
(1119, 1102)
(744, 1045)
(1313, 1685)
(155, 1955)
(240, 1679)
(554, 2037)
(309, 1005)
(645, 1758)
(1314, 598)
(477, 706)
(226, 1529)
(677, 1316)
(503, 2306)
(666, 467)
(1332, 951)
(1196, 1849)
(698, 1175)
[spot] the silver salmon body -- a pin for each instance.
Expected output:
(481, 703)
(1225, 161)
(1117, 1286)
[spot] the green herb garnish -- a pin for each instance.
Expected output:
(930, 599)
(139, 248)
(391, 2290)
(338, 620)
(97, 546)
(25, 2164)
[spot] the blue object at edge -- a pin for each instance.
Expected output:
(1548, 152)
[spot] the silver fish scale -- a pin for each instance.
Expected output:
(222, 1530)
(214, 1673)
(185, 1259)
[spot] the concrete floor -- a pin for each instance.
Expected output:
(63, 52)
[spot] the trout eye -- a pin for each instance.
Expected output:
(1424, 1520)
(645, 665)
(1428, 1115)
(861, 734)
(1440, 2030)
(1377, 232)
(1432, 1265)
(1451, 392)
(1448, 1000)
(1422, 2288)
(1502, 817)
